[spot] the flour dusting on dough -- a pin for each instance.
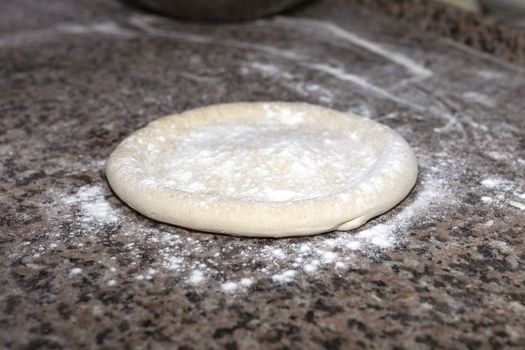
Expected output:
(282, 158)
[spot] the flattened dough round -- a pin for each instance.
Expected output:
(270, 169)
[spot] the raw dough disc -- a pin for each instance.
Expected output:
(263, 169)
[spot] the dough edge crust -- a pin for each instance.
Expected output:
(256, 219)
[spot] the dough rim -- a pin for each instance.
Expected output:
(255, 219)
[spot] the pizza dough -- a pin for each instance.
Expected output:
(263, 169)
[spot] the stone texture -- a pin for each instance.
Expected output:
(497, 34)
(75, 81)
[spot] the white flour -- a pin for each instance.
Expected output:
(281, 261)
(282, 158)
(75, 271)
(285, 276)
(479, 98)
(196, 277)
(289, 81)
(90, 200)
(501, 191)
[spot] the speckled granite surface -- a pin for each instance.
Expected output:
(79, 269)
(498, 35)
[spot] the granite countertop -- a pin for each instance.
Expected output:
(80, 269)
(500, 34)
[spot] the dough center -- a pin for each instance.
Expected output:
(268, 161)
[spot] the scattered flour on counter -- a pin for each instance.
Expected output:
(75, 271)
(246, 282)
(200, 262)
(353, 245)
(504, 192)
(328, 257)
(196, 277)
(479, 98)
(173, 263)
(273, 253)
(497, 155)
(284, 276)
(92, 204)
(229, 287)
(492, 182)
(379, 235)
(290, 82)
(311, 266)
(486, 199)
(270, 70)
(491, 75)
